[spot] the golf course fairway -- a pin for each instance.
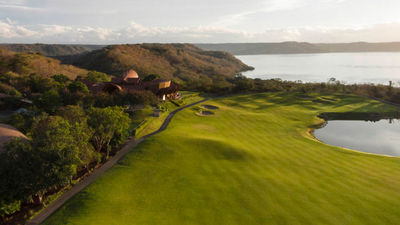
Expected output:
(252, 161)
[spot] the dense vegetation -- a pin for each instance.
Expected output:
(71, 130)
(300, 47)
(183, 63)
(61, 146)
(252, 162)
(28, 63)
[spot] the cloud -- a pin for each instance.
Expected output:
(17, 5)
(11, 31)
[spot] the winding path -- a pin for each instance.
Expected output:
(45, 213)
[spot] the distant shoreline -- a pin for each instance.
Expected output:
(311, 53)
(272, 48)
(300, 48)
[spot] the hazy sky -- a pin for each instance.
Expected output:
(135, 21)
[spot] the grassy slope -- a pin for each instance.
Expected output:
(153, 123)
(251, 163)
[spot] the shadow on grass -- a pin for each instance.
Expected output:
(219, 150)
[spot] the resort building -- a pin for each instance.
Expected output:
(131, 81)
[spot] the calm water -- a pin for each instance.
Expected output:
(349, 67)
(380, 137)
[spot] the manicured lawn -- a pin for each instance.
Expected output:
(153, 123)
(252, 162)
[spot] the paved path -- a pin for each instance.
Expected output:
(45, 213)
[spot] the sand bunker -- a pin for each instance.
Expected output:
(211, 107)
(205, 113)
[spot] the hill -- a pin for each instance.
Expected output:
(300, 47)
(29, 63)
(181, 62)
(361, 47)
(51, 50)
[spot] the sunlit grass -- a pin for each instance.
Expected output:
(253, 162)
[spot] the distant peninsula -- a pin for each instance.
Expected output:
(300, 47)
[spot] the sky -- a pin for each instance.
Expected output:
(198, 21)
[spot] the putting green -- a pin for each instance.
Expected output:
(252, 162)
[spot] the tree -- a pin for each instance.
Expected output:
(81, 132)
(109, 124)
(61, 78)
(95, 77)
(17, 174)
(77, 86)
(40, 84)
(49, 101)
(57, 150)
(18, 121)
(242, 83)
(151, 77)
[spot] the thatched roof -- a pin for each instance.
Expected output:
(8, 132)
(131, 74)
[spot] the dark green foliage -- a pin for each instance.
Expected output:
(151, 77)
(40, 84)
(81, 132)
(17, 175)
(11, 103)
(49, 101)
(77, 86)
(17, 121)
(28, 169)
(124, 98)
(242, 83)
(54, 141)
(95, 77)
(8, 208)
(61, 78)
(110, 125)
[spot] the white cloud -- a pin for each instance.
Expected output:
(11, 31)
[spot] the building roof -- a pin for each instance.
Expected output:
(7, 133)
(131, 74)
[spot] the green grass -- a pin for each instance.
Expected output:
(253, 162)
(153, 123)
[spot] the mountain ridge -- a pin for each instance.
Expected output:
(300, 47)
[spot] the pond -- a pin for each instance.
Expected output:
(379, 137)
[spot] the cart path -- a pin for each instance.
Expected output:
(45, 213)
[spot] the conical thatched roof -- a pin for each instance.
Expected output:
(131, 74)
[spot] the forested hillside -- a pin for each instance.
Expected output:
(184, 63)
(29, 63)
